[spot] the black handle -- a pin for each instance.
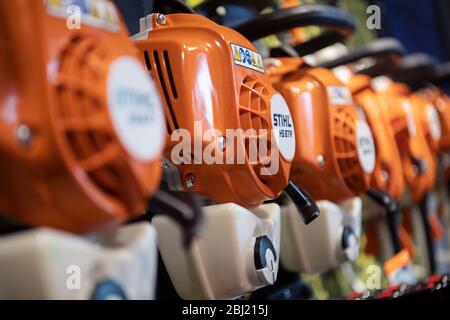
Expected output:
(324, 40)
(171, 6)
(414, 69)
(392, 213)
(305, 204)
(424, 212)
(384, 48)
(182, 207)
(209, 7)
(336, 20)
(442, 74)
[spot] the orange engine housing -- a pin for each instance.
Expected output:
(388, 173)
(66, 157)
(332, 138)
(407, 125)
(429, 119)
(442, 103)
(206, 84)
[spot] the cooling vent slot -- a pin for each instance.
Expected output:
(160, 66)
(253, 105)
(399, 125)
(400, 129)
(147, 61)
(82, 115)
(345, 142)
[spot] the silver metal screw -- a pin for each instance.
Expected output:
(275, 63)
(384, 175)
(161, 19)
(23, 134)
(190, 181)
(320, 160)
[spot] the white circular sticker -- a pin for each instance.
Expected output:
(283, 126)
(135, 108)
(434, 122)
(365, 147)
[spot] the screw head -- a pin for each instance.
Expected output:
(161, 18)
(24, 134)
(384, 175)
(190, 181)
(320, 160)
(275, 63)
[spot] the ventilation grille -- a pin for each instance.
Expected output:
(82, 114)
(345, 142)
(253, 107)
(158, 63)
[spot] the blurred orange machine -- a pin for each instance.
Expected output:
(442, 102)
(419, 163)
(387, 173)
(387, 182)
(418, 159)
(424, 75)
(81, 121)
(336, 153)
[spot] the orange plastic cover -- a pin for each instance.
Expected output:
(397, 262)
(335, 152)
(212, 78)
(406, 123)
(442, 102)
(388, 173)
(75, 106)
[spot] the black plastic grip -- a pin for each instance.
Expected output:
(442, 74)
(415, 68)
(424, 207)
(210, 6)
(171, 6)
(306, 206)
(381, 48)
(392, 214)
(331, 18)
(182, 207)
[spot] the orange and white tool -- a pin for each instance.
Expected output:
(230, 138)
(387, 182)
(81, 119)
(335, 155)
(82, 129)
